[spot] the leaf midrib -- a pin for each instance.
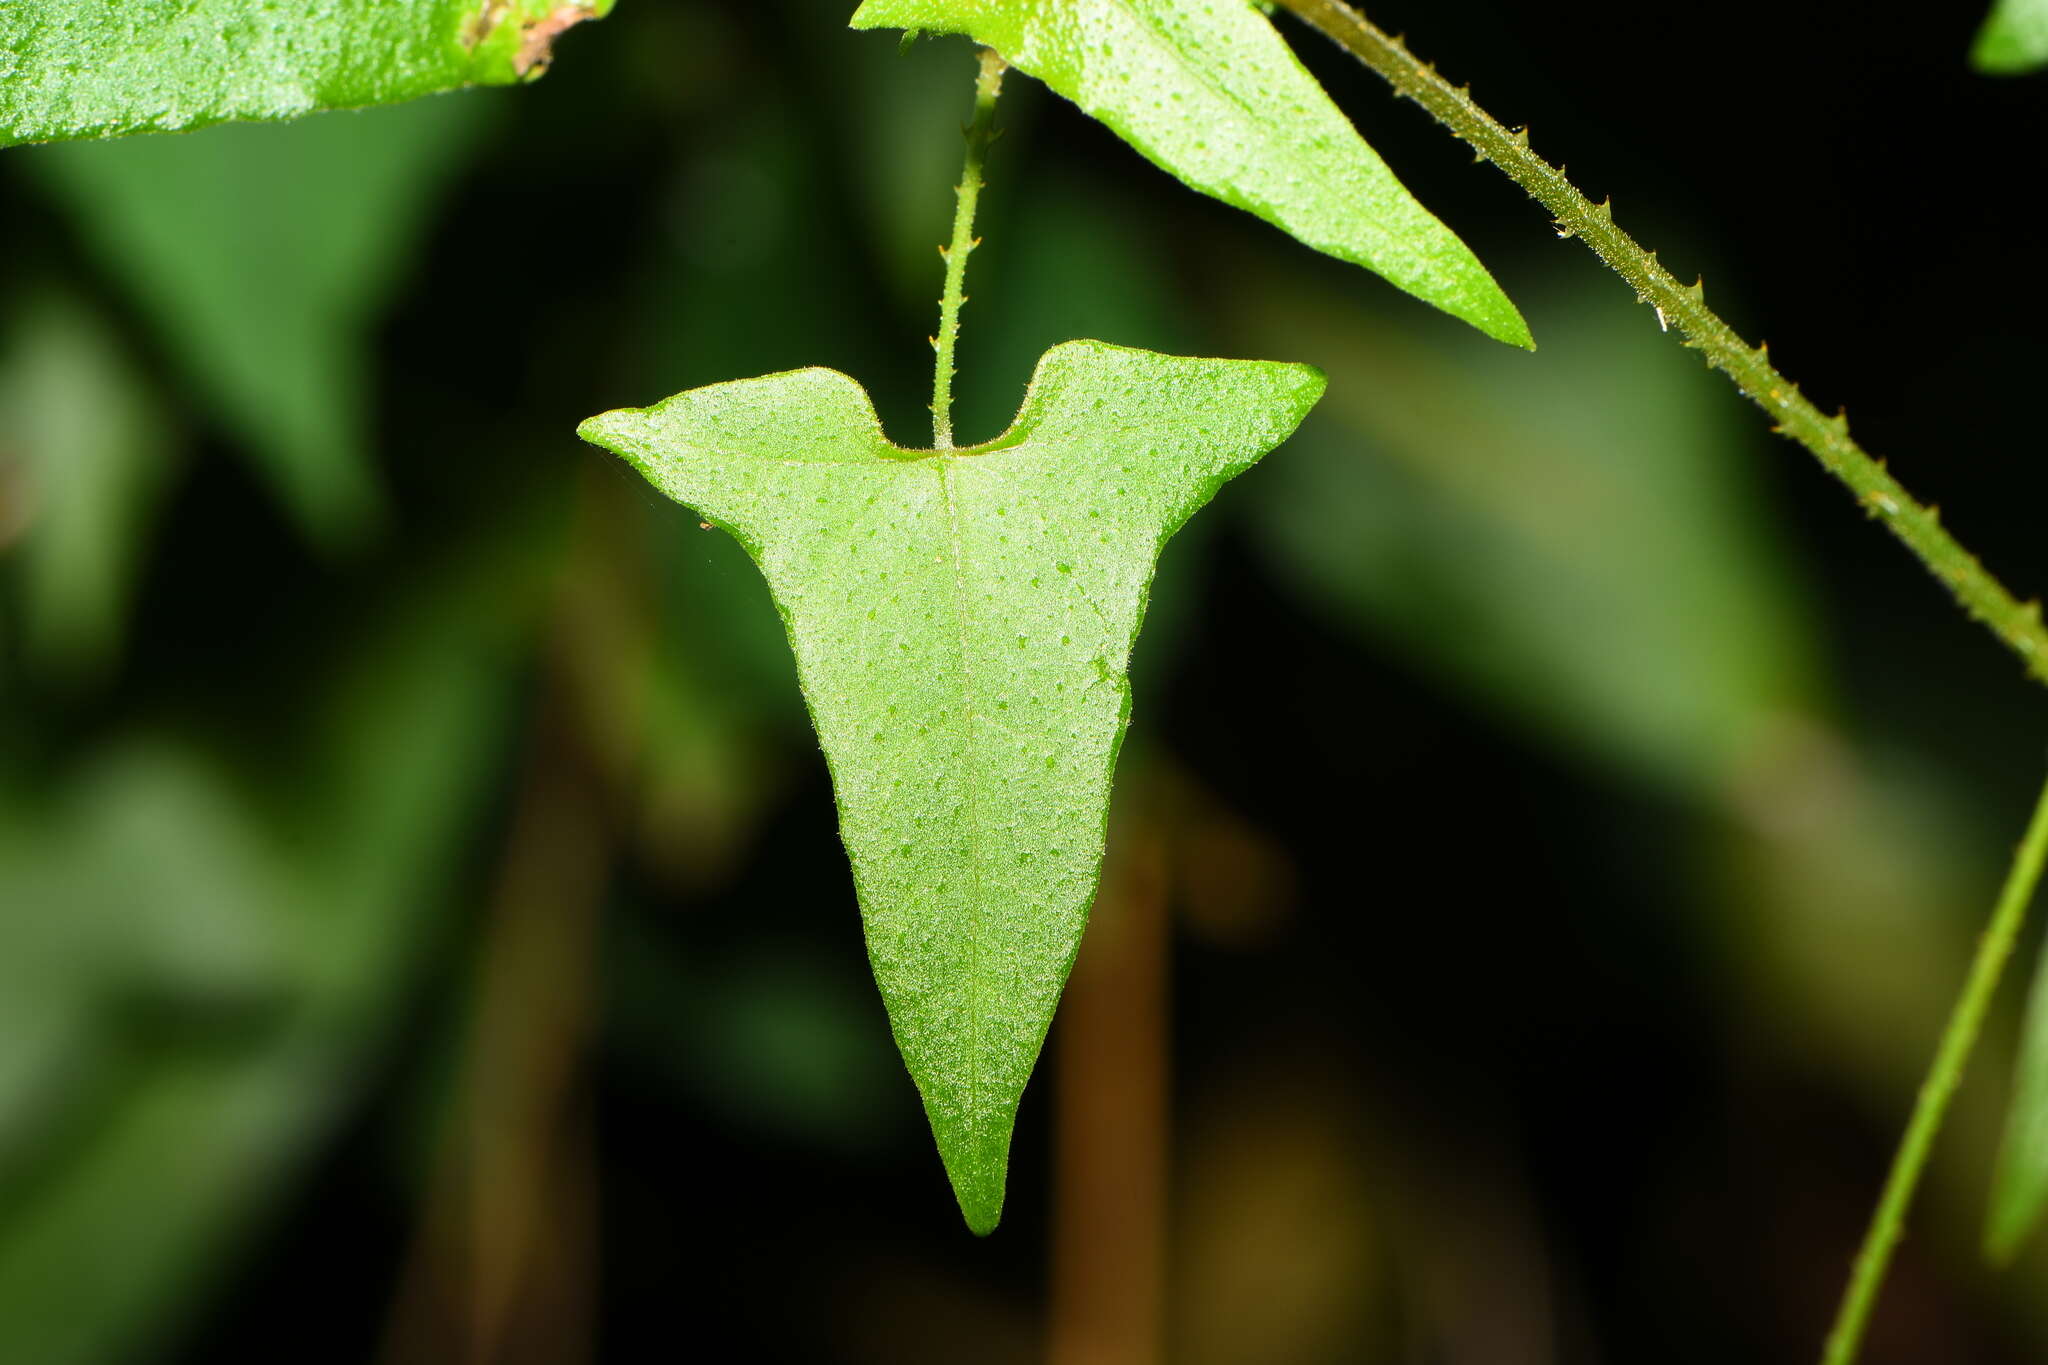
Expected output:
(973, 785)
(1201, 77)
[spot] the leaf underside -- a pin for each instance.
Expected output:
(1211, 93)
(2014, 40)
(962, 623)
(100, 68)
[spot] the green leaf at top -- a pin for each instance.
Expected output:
(962, 621)
(99, 68)
(1210, 93)
(2014, 39)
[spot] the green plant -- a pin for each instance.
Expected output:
(1212, 94)
(962, 618)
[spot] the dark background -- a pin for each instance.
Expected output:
(1554, 826)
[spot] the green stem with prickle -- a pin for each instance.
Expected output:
(1881, 496)
(1888, 1224)
(1685, 310)
(980, 133)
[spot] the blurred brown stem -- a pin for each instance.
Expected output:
(1110, 1154)
(503, 1268)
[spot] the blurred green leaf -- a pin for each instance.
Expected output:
(2019, 1187)
(264, 255)
(97, 68)
(683, 688)
(778, 1040)
(1213, 95)
(962, 624)
(91, 456)
(1571, 536)
(2014, 39)
(196, 966)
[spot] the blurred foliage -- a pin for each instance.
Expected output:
(198, 964)
(264, 256)
(1518, 538)
(2014, 40)
(92, 452)
(2019, 1195)
(1580, 817)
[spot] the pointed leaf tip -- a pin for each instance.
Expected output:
(1213, 95)
(980, 1192)
(962, 624)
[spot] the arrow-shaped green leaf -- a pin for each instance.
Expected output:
(265, 255)
(1210, 93)
(962, 621)
(98, 68)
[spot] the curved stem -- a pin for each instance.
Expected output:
(1888, 1224)
(1685, 308)
(987, 86)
